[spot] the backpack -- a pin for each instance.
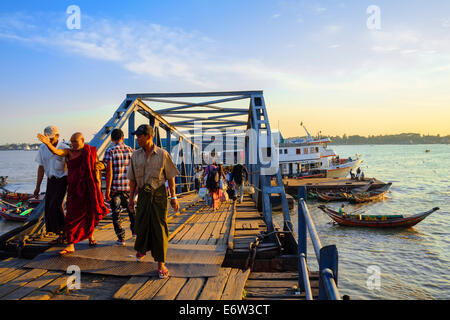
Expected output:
(213, 180)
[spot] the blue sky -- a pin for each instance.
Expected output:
(317, 62)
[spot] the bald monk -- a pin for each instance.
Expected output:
(85, 205)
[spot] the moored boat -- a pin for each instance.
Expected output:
(376, 221)
(16, 214)
(311, 158)
(15, 196)
(370, 195)
(333, 196)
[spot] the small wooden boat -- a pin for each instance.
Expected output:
(333, 196)
(17, 214)
(379, 221)
(15, 196)
(371, 195)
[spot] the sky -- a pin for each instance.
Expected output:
(340, 67)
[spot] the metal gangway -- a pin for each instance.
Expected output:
(181, 122)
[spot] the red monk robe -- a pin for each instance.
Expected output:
(85, 204)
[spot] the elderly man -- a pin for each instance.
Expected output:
(149, 169)
(55, 169)
(85, 204)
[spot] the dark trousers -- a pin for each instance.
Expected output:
(197, 184)
(118, 201)
(54, 197)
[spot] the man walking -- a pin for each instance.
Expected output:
(149, 169)
(240, 175)
(117, 160)
(55, 169)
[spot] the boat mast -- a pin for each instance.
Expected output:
(309, 136)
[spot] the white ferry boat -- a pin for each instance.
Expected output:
(311, 158)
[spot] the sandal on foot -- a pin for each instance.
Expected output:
(92, 243)
(164, 273)
(139, 256)
(65, 251)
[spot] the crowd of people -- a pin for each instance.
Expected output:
(222, 183)
(74, 173)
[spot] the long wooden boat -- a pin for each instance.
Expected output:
(15, 196)
(380, 221)
(16, 214)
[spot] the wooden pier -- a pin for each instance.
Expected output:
(213, 255)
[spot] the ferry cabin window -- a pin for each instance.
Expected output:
(285, 151)
(281, 151)
(298, 151)
(317, 149)
(312, 149)
(305, 151)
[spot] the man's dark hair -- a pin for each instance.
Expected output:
(116, 134)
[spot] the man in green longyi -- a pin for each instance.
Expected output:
(149, 169)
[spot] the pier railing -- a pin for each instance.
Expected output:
(327, 257)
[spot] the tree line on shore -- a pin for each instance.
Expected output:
(403, 138)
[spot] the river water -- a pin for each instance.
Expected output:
(414, 263)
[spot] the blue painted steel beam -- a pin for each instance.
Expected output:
(192, 94)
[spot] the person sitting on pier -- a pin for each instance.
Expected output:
(85, 204)
(55, 169)
(352, 175)
(117, 159)
(149, 169)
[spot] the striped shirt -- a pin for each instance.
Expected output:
(120, 156)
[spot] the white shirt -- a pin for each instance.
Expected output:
(54, 166)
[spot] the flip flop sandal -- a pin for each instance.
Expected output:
(139, 256)
(93, 243)
(163, 274)
(64, 252)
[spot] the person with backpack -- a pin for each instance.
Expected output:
(213, 185)
(240, 175)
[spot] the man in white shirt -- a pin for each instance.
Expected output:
(55, 169)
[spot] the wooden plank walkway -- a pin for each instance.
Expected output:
(233, 225)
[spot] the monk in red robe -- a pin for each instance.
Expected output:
(85, 205)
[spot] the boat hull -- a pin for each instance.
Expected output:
(342, 170)
(404, 222)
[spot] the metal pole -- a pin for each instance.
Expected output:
(312, 230)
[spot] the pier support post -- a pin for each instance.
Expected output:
(328, 260)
